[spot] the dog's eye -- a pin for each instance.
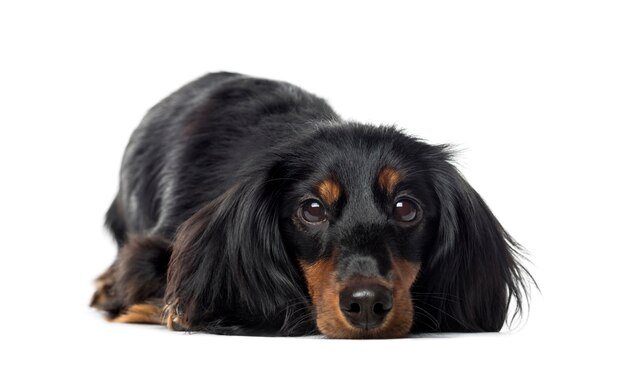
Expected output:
(406, 210)
(313, 211)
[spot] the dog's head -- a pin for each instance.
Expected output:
(360, 231)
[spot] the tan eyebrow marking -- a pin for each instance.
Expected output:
(388, 178)
(329, 190)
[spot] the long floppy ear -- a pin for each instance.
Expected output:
(230, 272)
(473, 271)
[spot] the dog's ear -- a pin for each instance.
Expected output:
(229, 269)
(473, 271)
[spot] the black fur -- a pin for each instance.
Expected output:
(219, 168)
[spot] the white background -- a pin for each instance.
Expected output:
(533, 93)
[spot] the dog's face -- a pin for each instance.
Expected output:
(358, 222)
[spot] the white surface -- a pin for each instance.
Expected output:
(534, 94)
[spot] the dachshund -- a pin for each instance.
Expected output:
(247, 206)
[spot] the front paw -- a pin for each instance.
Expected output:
(104, 286)
(174, 318)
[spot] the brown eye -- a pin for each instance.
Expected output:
(313, 211)
(405, 210)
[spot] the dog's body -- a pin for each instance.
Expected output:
(247, 206)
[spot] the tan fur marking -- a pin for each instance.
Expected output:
(324, 291)
(329, 190)
(400, 319)
(388, 179)
(321, 278)
(141, 313)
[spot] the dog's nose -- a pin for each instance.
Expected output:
(365, 305)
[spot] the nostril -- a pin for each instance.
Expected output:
(379, 309)
(354, 308)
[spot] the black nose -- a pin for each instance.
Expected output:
(365, 305)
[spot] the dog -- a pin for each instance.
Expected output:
(247, 206)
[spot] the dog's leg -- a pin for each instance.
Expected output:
(131, 290)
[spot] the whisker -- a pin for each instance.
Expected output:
(430, 317)
(444, 312)
(426, 296)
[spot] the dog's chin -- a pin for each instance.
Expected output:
(339, 328)
(377, 333)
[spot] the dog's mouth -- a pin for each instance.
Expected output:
(360, 306)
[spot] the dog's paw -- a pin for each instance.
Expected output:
(141, 313)
(104, 297)
(174, 318)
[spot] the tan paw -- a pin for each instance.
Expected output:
(141, 313)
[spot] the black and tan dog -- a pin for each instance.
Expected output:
(248, 206)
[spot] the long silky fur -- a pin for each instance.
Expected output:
(230, 273)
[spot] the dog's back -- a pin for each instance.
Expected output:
(189, 147)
